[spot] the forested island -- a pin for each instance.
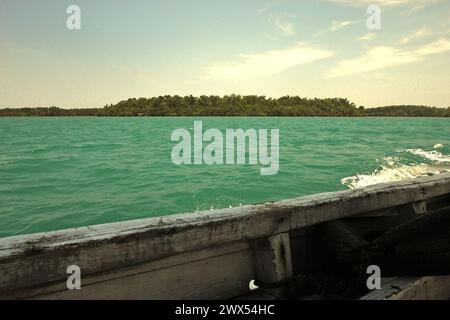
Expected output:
(233, 105)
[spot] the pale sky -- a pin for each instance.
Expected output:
(145, 48)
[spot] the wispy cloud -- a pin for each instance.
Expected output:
(420, 5)
(384, 57)
(266, 63)
(440, 32)
(337, 25)
(367, 37)
(421, 33)
(285, 27)
(282, 22)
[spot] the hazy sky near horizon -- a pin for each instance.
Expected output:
(142, 48)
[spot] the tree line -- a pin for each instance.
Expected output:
(232, 105)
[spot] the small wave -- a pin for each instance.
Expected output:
(398, 168)
(430, 155)
(438, 146)
(385, 174)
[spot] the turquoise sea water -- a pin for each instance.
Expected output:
(67, 172)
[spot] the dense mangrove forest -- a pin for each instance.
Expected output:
(232, 105)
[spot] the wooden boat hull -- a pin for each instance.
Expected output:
(208, 255)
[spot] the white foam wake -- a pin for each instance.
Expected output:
(430, 155)
(393, 169)
(385, 174)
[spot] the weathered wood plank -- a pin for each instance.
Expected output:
(191, 275)
(419, 207)
(42, 258)
(389, 287)
(426, 288)
(273, 259)
(414, 288)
